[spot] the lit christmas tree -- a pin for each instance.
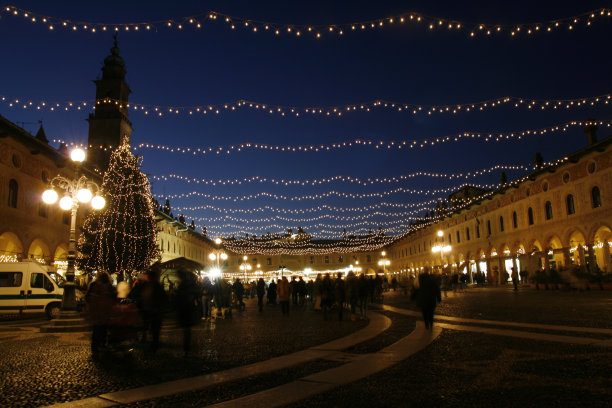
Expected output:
(122, 238)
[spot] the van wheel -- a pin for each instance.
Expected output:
(53, 310)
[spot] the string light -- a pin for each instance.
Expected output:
(332, 193)
(317, 31)
(314, 111)
(356, 143)
(334, 179)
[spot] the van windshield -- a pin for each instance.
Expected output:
(59, 279)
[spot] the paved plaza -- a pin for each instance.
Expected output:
(489, 347)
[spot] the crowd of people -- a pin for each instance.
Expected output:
(135, 312)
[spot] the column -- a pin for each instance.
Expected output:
(567, 260)
(582, 258)
(592, 262)
(546, 260)
(605, 250)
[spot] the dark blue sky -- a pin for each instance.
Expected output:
(215, 65)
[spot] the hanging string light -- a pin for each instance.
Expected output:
(356, 143)
(427, 22)
(335, 179)
(321, 111)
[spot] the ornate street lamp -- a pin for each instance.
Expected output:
(441, 248)
(217, 255)
(384, 262)
(245, 266)
(79, 190)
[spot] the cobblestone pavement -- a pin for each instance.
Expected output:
(42, 369)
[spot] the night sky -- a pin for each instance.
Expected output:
(408, 64)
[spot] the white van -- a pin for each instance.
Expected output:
(26, 287)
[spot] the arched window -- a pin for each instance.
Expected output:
(569, 201)
(548, 210)
(501, 223)
(467, 233)
(530, 215)
(596, 197)
(458, 237)
(488, 227)
(13, 193)
(514, 220)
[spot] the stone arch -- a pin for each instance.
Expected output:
(60, 257)
(39, 250)
(10, 246)
(575, 236)
(599, 232)
(601, 239)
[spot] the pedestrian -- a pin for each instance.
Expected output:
(261, 291)
(207, 295)
(363, 295)
(301, 289)
(427, 295)
(339, 294)
(327, 295)
(515, 278)
(238, 289)
(187, 294)
(101, 298)
(352, 292)
(272, 293)
(317, 292)
(294, 291)
(284, 295)
(150, 298)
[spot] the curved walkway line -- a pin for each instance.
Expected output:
(361, 367)
(378, 323)
(502, 323)
(517, 333)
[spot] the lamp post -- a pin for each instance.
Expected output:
(441, 248)
(384, 262)
(217, 255)
(79, 190)
(245, 266)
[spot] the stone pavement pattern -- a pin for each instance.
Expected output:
(42, 369)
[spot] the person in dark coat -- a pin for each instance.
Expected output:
(150, 298)
(363, 295)
(427, 296)
(207, 295)
(272, 293)
(101, 297)
(238, 289)
(261, 291)
(187, 294)
(339, 294)
(327, 294)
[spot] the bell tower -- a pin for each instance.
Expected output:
(109, 123)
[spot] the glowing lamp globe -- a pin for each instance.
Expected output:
(65, 203)
(218, 241)
(224, 256)
(98, 202)
(50, 196)
(212, 257)
(84, 195)
(77, 155)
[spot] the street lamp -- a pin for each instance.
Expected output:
(217, 255)
(384, 262)
(79, 190)
(245, 266)
(441, 248)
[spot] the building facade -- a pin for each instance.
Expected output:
(557, 216)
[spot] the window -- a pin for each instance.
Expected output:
(42, 209)
(340, 259)
(545, 186)
(501, 224)
(478, 230)
(569, 201)
(450, 240)
(10, 279)
(161, 245)
(458, 237)
(514, 220)
(548, 210)
(566, 177)
(489, 227)
(591, 167)
(530, 215)
(467, 233)
(268, 261)
(13, 193)
(16, 161)
(312, 260)
(326, 259)
(596, 197)
(37, 280)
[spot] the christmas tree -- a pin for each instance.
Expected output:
(122, 238)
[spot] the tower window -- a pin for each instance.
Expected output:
(514, 220)
(489, 227)
(467, 233)
(501, 224)
(458, 237)
(530, 215)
